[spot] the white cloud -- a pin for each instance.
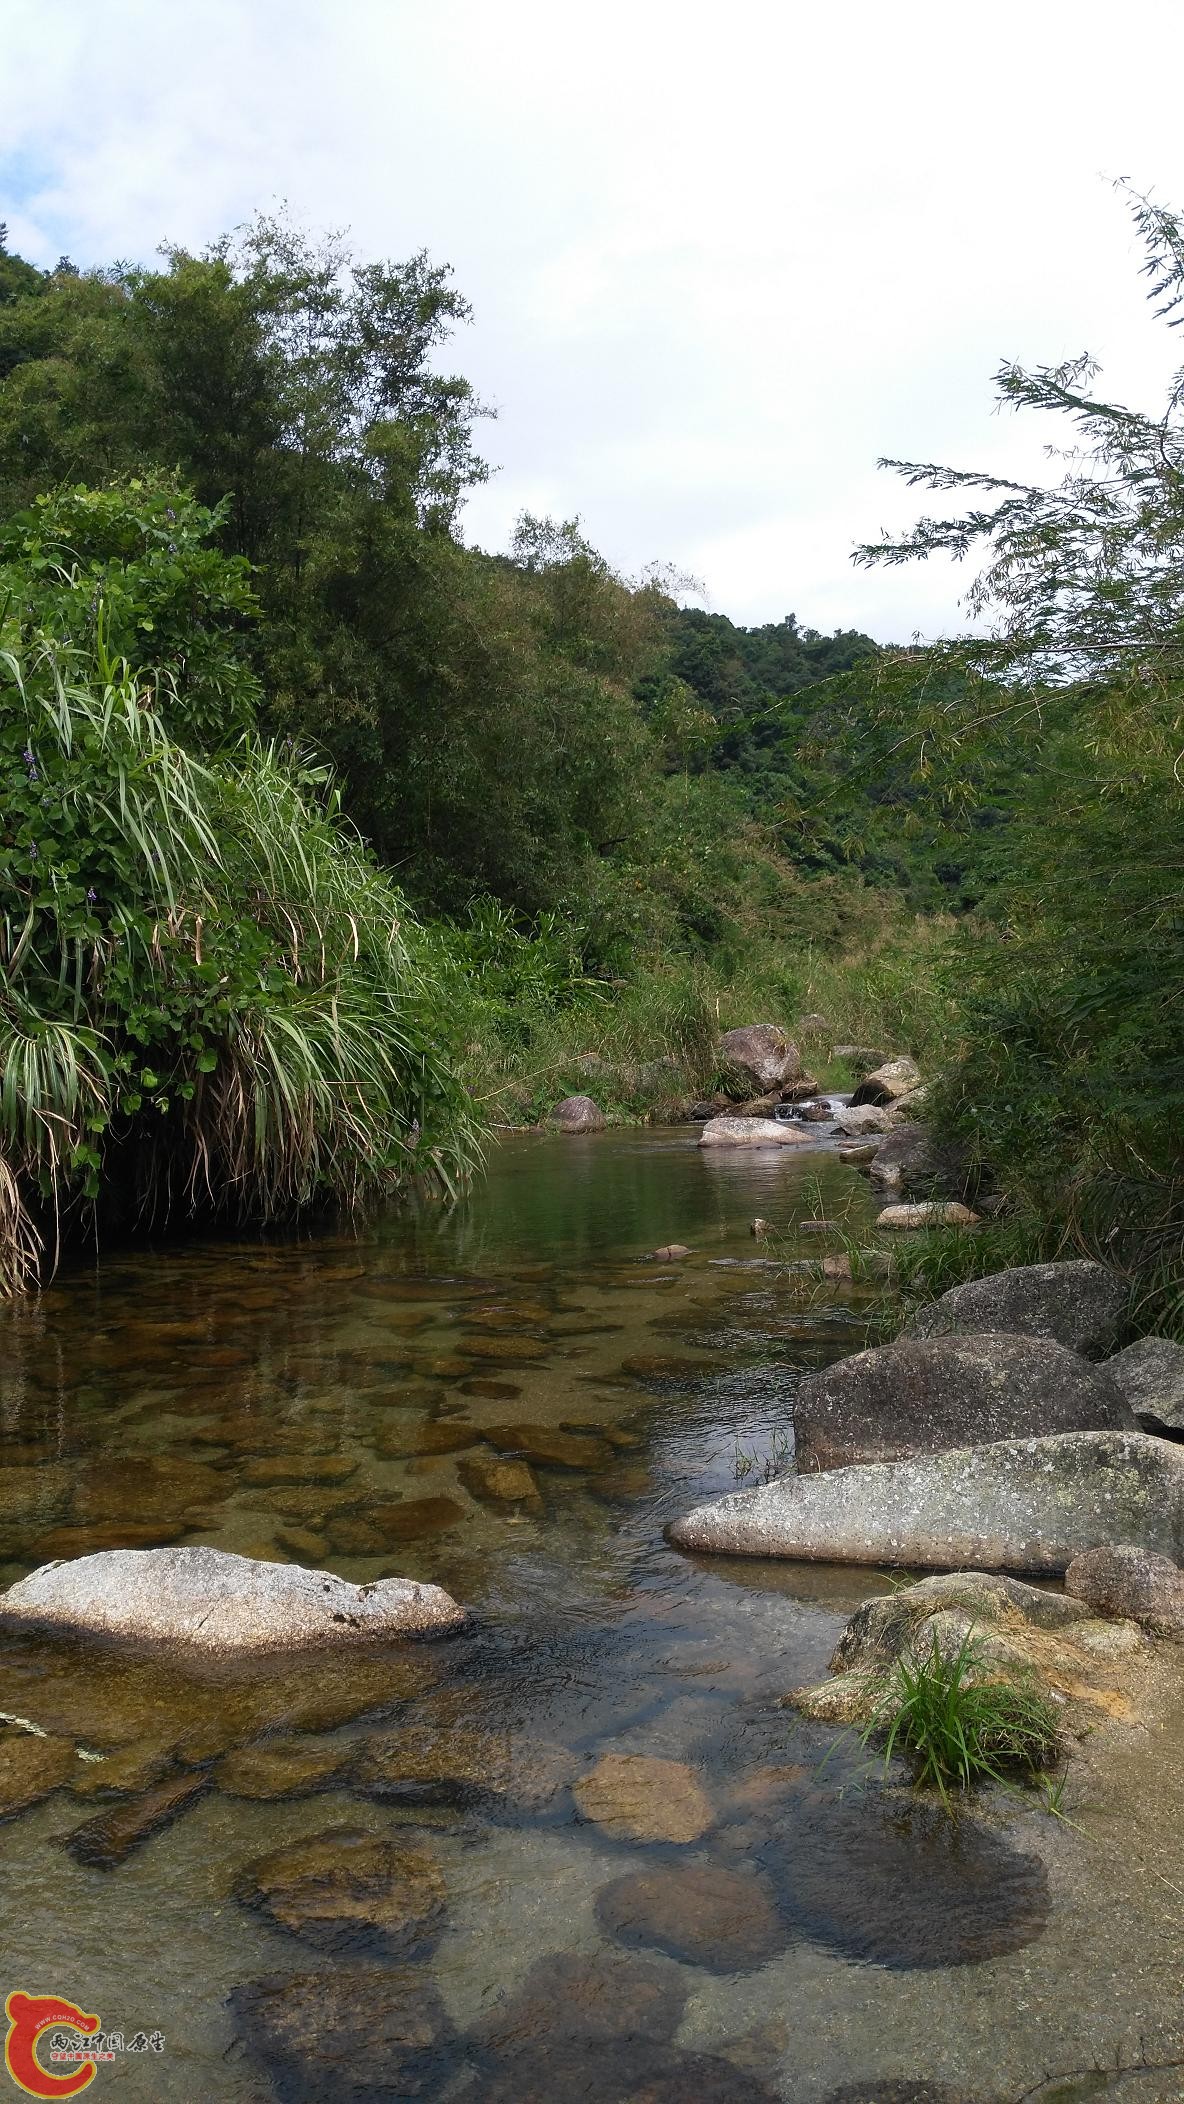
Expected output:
(720, 260)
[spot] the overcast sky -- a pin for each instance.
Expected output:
(720, 258)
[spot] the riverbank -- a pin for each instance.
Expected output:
(325, 1400)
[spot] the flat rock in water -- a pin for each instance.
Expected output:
(1078, 1304)
(31, 1766)
(1151, 1376)
(645, 1799)
(927, 1212)
(209, 1601)
(751, 1132)
(359, 2035)
(923, 1397)
(1017, 1505)
(725, 1920)
(348, 1887)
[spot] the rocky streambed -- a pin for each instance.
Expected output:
(583, 1847)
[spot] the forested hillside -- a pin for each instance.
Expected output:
(291, 770)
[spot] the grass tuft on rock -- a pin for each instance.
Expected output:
(959, 1727)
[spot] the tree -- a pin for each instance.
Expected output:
(1074, 1071)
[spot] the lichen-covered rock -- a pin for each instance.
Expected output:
(752, 1132)
(1017, 1631)
(922, 1397)
(1121, 1579)
(897, 1077)
(1079, 1304)
(1151, 1376)
(577, 1114)
(209, 1601)
(1017, 1505)
(757, 1058)
(927, 1212)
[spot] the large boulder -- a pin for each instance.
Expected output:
(897, 1077)
(1079, 1304)
(1018, 1505)
(752, 1132)
(211, 1602)
(910, 1163)
(1120, 1579)
(1151, 1376)
(925, 1397)
(756, 1059)
(577, 1114)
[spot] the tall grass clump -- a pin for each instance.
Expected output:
(960, 1727)
(212, 1000)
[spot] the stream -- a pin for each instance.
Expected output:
(510, 1398)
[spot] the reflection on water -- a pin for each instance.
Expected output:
(448, 1869)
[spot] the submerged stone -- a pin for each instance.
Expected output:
(346, 1887)
(725, 1920)
(359, 2035)
(31, 1767)
(411, 1442)
(291, 1765)
(615, 2072)
(641, 1798)
(906, 1887)
(107, 1841)
(378, 1528)
(463, 1764)
(595, 1999)
(206, 1600)
(295, 1468)
(550, 1447)
(499, 1480)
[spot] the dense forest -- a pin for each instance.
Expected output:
(327, 838)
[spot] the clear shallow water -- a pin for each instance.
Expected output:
(774, 1925)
